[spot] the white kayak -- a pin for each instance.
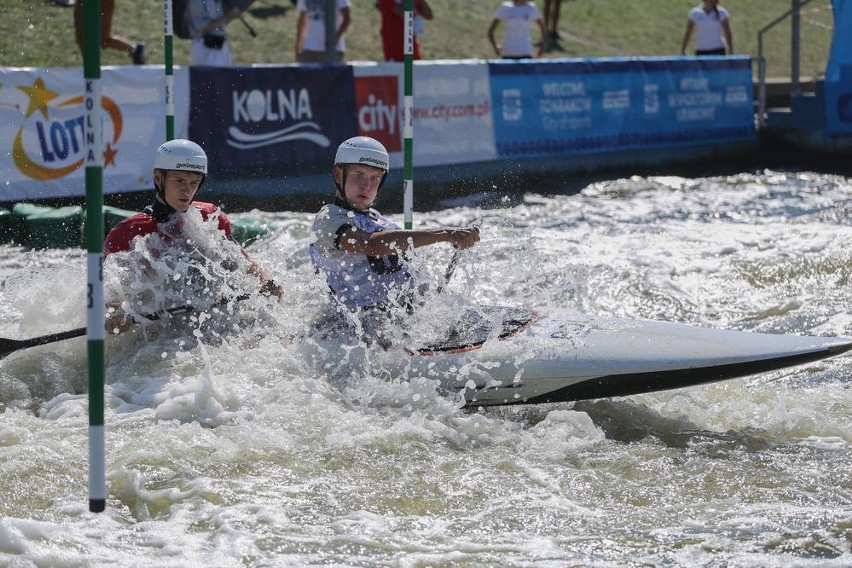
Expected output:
(503, 356)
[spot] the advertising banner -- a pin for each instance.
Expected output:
(41, 129)
(838, 73)
(378, 102)
(271, 121)
(452, 117)
(583, 106)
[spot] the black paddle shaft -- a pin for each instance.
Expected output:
(9, 346)
(451, 268)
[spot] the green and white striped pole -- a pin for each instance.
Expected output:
(93, 133)
(408, 115)
(168, 42)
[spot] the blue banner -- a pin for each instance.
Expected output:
(271, 121)
(838, 72)
(586, 106)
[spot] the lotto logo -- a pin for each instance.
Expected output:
(379, 111)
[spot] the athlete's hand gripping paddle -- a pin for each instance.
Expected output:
(454, 261)
(451, 268)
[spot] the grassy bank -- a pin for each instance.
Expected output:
(40, 33)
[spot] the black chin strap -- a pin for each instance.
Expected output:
(160, 210)
(341, 202)
(161, 191)
(340, 187)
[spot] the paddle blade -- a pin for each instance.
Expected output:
(9, 346)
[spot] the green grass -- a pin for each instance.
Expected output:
(40, 33)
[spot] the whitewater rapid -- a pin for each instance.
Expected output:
(242, 453)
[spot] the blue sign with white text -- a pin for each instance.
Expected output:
(585, 106)
(270, 121)
(838, 73)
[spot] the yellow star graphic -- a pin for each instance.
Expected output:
(39, 97)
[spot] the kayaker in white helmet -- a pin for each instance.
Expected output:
(180, 168)
(360, 251)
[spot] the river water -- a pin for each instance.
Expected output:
(239, 453)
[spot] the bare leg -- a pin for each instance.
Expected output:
(554, 20)
(546, 9)
(108, 41)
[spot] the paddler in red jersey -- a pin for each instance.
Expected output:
(180, 168)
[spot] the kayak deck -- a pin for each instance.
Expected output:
(504, 356)
(562, 357)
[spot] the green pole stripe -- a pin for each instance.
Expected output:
(94, 160)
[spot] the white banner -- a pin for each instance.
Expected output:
(452, 110)
(41, 128)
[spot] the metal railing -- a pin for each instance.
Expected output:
(795, 27)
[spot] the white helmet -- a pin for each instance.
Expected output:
(183, 155)
(363, 150)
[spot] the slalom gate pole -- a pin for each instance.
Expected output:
(408, 114)
(93, 134)
(168, 43)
